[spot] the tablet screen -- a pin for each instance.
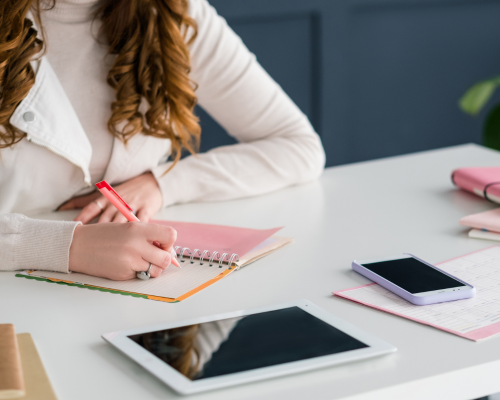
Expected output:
(240, 344)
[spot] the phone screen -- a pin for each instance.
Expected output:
(412, 275)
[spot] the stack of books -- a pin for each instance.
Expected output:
(22, 375)
(486, 225)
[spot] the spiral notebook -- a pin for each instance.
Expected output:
(207, 253)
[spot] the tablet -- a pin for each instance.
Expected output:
(244, 346)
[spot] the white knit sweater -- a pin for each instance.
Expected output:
(277, 145)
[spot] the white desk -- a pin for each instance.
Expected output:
(402, 204)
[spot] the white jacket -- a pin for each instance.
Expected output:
(277, 148)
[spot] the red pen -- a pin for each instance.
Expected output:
(122, 206)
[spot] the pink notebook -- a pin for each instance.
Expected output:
(220, 238)
(475, 319)
(489, 220)
(482, 181)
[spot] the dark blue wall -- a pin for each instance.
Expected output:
(376, 78)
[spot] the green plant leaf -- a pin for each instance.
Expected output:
(477, 96)
(491, 132)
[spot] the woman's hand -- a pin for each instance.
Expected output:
(141, 193)
(119, 251)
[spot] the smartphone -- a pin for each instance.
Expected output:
(414, 280)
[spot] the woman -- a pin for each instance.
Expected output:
(107, 92)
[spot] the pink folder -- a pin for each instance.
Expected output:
(489, 220)
(477, 315)
(482, 181)
(220, 238)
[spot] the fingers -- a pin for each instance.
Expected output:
(156, 256)
(108, 214)
(155, 272)
(119, 218)
(143, 215)
(89, 212)
(119, 251)
(79, 202)
(165, 236)
(69, 205)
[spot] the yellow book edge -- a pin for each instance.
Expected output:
(36, 380)
(11, 368)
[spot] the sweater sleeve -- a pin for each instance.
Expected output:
(277, 145)
(27, 243)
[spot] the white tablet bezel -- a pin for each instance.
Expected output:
(183, 385)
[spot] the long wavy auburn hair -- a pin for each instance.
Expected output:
(174, 346)
(150, 39)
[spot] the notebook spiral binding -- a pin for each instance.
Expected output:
(186, 251)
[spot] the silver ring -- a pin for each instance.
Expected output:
(99, 205)
(144, 275)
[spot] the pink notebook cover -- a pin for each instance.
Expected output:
(477, 334)
(489, 220)
(220, 238)
(480, 181)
